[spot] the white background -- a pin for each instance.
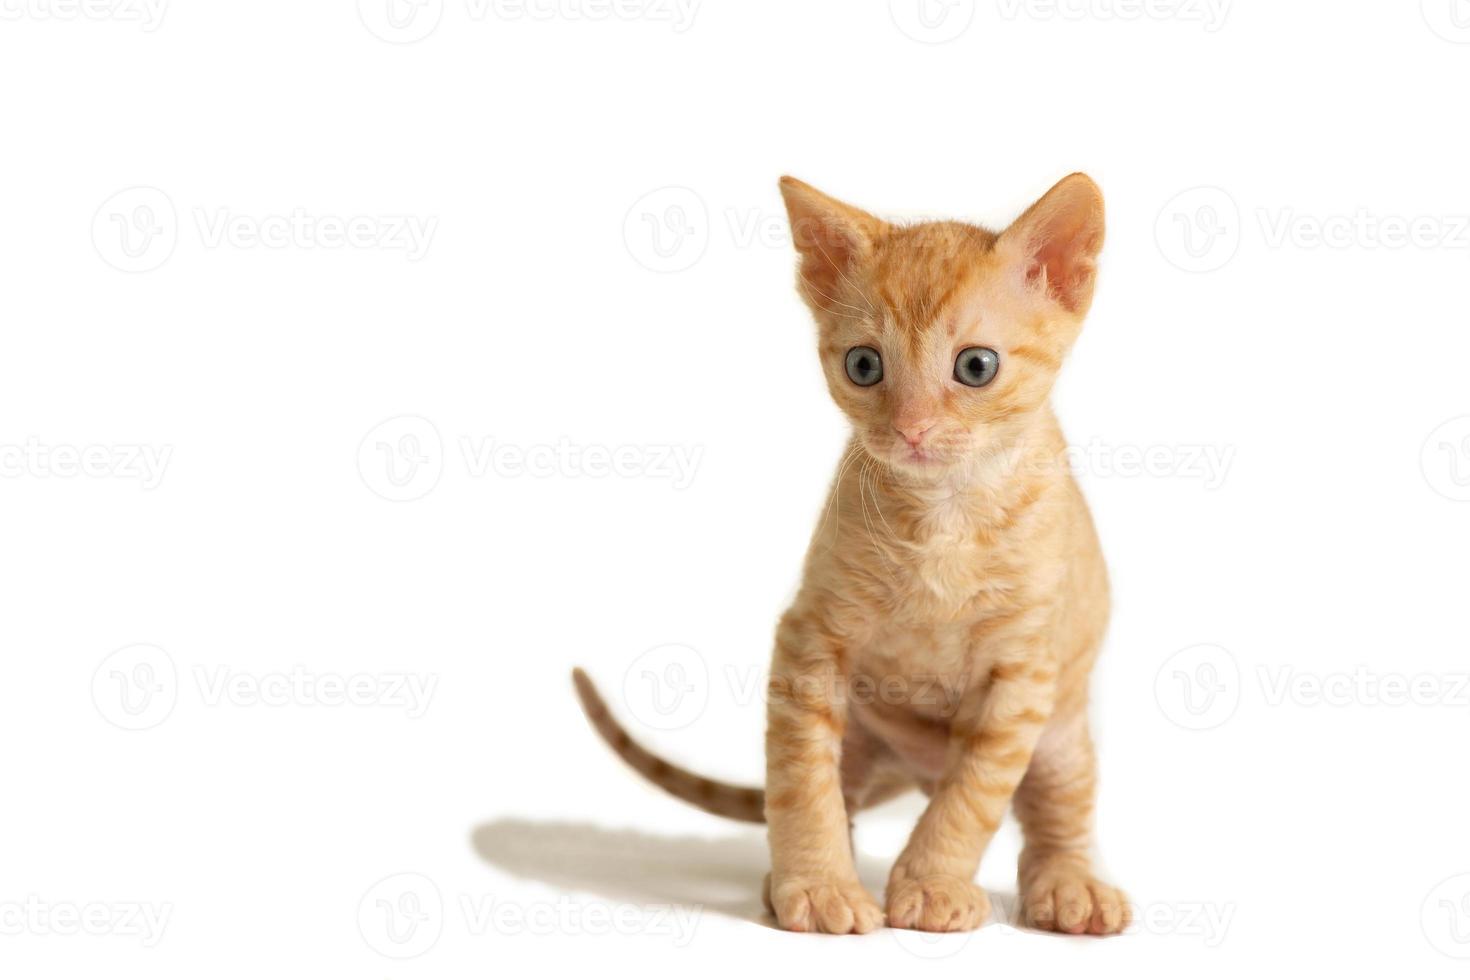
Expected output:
(1271, 798)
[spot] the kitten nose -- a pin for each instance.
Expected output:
(913, 432)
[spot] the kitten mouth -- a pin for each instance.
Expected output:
(919, 457)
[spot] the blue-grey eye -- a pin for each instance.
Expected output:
(864, 366)
(976, 366)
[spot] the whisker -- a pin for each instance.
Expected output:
(834, 500)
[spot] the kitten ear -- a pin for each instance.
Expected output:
(1056, 242)
(831, 237)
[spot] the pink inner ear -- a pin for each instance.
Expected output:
(1062, 261)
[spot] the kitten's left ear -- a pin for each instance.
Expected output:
(1055, 243)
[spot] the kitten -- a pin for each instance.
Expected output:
(954, 595)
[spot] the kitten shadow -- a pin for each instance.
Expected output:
(721, 874)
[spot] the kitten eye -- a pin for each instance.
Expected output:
(976, 366)
(864, 366)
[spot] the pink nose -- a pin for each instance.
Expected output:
(913, 432)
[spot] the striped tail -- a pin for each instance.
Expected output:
(721, 799)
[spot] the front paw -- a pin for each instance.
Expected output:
(936, 903)
(819, 903)
(1073, 901)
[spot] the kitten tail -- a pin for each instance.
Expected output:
(721, 799)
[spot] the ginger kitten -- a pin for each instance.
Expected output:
(954, 595)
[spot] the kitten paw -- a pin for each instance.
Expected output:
(1073, 901)
(819, 904)
(936, 903)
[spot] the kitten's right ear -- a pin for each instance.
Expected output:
(831, 237)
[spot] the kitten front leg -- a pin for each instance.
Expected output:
(813, 885)
(1059, 890)
(932, 885)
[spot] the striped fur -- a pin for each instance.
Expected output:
(721, 799)
(954, 595)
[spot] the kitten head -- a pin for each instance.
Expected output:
(940, 341)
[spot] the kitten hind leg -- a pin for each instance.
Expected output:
(1054, 803)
